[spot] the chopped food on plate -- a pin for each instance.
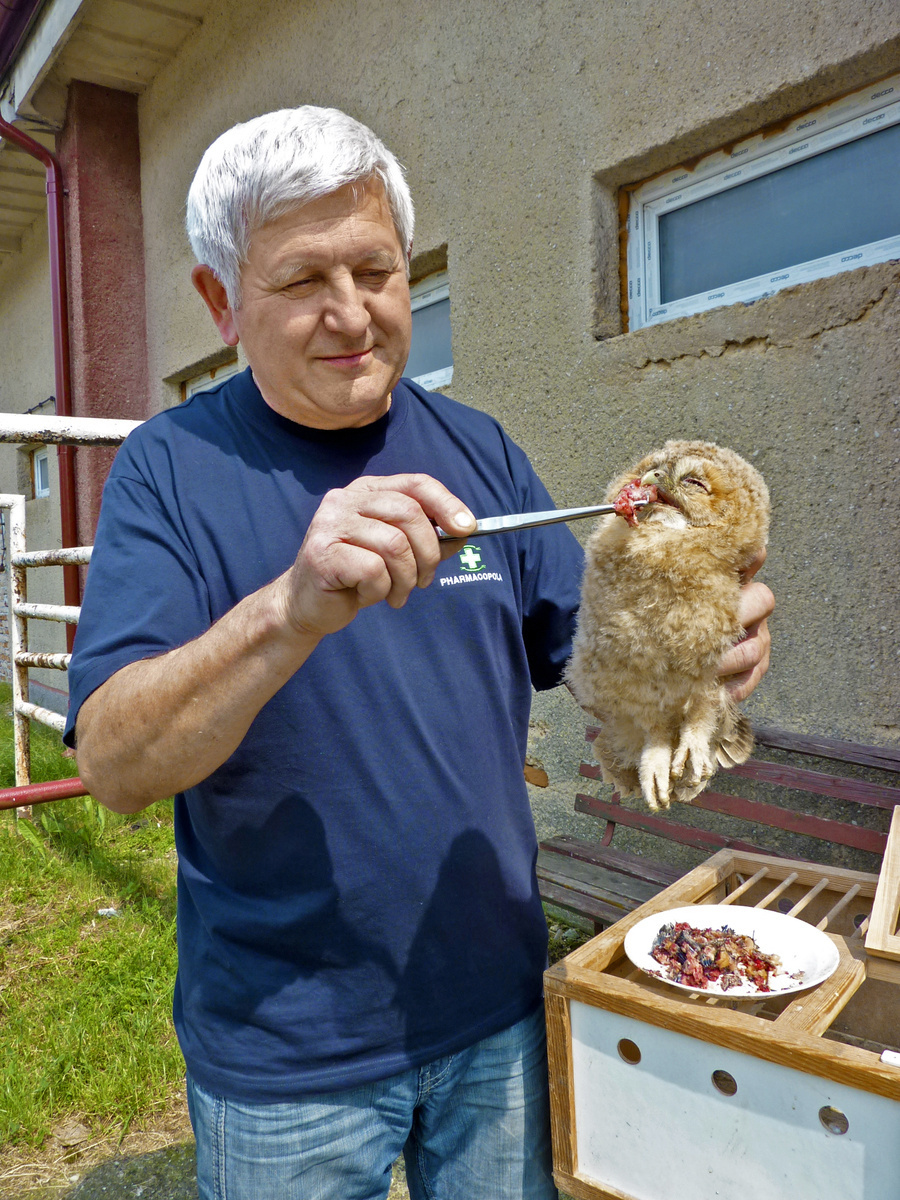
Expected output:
(698, 957)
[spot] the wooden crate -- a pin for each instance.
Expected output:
(882, 939)
(657, 1094)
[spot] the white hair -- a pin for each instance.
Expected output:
(266, 167)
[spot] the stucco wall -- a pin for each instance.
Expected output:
(26, 345)
(27, 378)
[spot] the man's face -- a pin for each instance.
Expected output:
(324, 318)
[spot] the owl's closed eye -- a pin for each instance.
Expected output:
(659, 608)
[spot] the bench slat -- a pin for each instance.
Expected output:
(594, 880)
(838, 786)
(793, 822)
(685, 835)
(578, 902)
(885, 758)
(618, 860)
(601, 879)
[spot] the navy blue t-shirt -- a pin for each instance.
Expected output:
(356, 889)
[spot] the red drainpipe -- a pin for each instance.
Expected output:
(60, 311)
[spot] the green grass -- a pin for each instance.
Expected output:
(563, 939)
(85, 999)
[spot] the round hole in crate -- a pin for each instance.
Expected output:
(833, 1119)
(629, 1051)
(859, 918)
(724, 1082)
(784, 905)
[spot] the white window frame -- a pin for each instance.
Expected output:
(208, 378)
(429, 291)
(39, 458)
(835, 124)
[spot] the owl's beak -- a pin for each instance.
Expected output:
(660, 480)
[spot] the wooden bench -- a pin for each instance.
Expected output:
(595, 882)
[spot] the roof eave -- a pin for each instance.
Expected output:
(17, 18)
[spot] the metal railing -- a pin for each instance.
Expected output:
(39, 430)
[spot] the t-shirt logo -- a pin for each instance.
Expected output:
(474, 569)
(470, 558)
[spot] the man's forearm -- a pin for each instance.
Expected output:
(163, 724)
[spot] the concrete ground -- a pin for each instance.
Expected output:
(164, 1175)
(167, 1175)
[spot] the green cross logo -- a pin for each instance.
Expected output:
(470, 558)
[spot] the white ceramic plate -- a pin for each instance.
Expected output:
(807, 955)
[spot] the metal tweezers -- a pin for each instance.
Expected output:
(530, 520)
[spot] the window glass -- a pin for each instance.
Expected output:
(844, 197)
(41, 473)
(430, 360)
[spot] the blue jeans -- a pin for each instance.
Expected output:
(471, 1126)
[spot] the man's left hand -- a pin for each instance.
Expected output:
(742, 668)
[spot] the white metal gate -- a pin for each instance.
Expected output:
(41, 430)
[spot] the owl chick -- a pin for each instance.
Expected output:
(659, 608)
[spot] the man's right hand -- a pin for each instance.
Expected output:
(373, 540)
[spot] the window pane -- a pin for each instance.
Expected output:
(430, 350)
(41, 474)
(837, 200)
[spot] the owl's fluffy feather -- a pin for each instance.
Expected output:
(659, 608)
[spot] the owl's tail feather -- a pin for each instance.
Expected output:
(735, 744)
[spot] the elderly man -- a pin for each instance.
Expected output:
(361, 940)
